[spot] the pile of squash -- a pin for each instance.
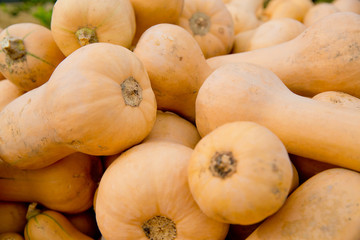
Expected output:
(182, 119)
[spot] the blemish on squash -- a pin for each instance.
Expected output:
(200, 23)
(13, 47)
(223, 164)
(159, 228)
(221, 30)
(131, 92)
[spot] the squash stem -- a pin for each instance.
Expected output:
(200, 23)
(159, 228)
(86, 36)
(131, 91)
(13, 47)
(32, 210)
(223, 164)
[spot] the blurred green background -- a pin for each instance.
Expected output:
(39, 11)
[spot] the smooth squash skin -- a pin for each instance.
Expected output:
(85, 222)
(234, 168)
(308, 128)
(295, 9)
(319, 11)
(28, 55)
(75, 24)
(52, 225)
(98, 101)
(176, 67)
(8, 92)
(211, 24)
(156, 204)
(326, 206)
(11, 236)
(67, 185)
(12, 217)
(317, 60)
(348, 5)
(339, 98)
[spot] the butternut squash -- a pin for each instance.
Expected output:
(347, 5)
(270, 33)
(319, 11)
(338, 98)
(176, 67)
(210, 23)
(308, 128)
(11, 236)
(12, 217)
(85, 222)
(234, 168)
(317, 60)
(98, 101)
(49, 224)
(67, 185)
(8, 92)
(78, 23)
(157, 202)
(324, 207)
(28, 55)
(295, 9)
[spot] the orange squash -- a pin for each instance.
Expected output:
(85, 222)
(78, 23)
(90, 106)
(28, 55)
(315, 61)
(67, 185)
(49, 224)
(150, 13)
(176, 67)
(11, 236)
(295, 9)
(157, 202)
(308, 128)
(8, 92)
(325, 207)
(270, 33)
(210, 23)
(234, 168)
(12, 217)
(319, 11)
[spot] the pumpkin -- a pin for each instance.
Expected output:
(150, 13)
(319, 11)
(295, 9)
(234, 168)
(49, 224)
(157, 202)
(210, 23)
(325, 207)
(176, 67)
(28, 55)
(244, 14)
(12, 217)
(308, 128)
(270, 33)
(8, 92)
(85, 222)
(67, 185)
(347, 5)
(317, 60)
(11, 236)
(78, 23)
(90, 106)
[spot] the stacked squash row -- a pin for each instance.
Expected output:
(174, 121)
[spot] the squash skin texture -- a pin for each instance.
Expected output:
(248, 92)
(162, 190)
(325, 207)
(324, 57)
(12, 216)
(67, 185)
(42, 55)
(62, 114)
(8, 92)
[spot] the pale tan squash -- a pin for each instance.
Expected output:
(338, 98)
(319, 11)
(308, 128)
(8, 92)
(347, 5)
(12, 217)
(67, 185)
(234, 168)
(149, 13)
(28, 55)
(295, 9)
(270, 33)
(317, 60)
(11, 236)
(98, 101)
(244, 14)
(154, 203)
(78, 23)
(176, 67)
(325, 207)
(210, 23)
